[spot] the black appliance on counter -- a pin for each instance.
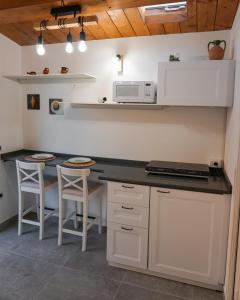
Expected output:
(178, 169)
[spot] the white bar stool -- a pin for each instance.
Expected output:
(74, 186)
(31, 180)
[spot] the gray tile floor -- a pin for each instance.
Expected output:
(33, 269)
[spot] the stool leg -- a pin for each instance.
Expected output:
(37, 207)
(100, 217)
(60, 221)
(41, 232)
(20, 212)
(85, 219)
(75, 216)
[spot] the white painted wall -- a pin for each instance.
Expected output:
(231, 160)
(176, 134)
(233, 115)
(11, 135)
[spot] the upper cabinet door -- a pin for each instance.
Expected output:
(196, 83)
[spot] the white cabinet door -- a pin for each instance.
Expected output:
(188, 235)
(196, 83)
(127, 245)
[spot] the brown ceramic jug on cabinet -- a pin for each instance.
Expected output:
(215, 50)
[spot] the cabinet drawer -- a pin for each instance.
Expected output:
(127, 245)
(165, 192)
(129, 194)
(128, 214)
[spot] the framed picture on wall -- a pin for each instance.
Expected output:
(56, 107)
(33, 101)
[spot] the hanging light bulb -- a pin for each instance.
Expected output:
(40, 45)
(69, 45)
(82, 46)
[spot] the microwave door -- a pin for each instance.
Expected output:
(129, 93)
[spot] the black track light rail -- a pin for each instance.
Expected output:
(62, 11)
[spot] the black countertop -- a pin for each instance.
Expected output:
(129, 171)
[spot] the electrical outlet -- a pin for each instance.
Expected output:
(216, 163)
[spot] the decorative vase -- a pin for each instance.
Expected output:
(215, 50)
(46, 71)
(64, 70)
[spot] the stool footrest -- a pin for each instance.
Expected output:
(72, 232)
(30, 222)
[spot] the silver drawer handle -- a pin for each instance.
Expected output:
(163, 192)
(130, 208)
(127, 187)
(125, 228)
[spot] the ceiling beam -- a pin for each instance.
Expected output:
(69, 23)
(105, 4)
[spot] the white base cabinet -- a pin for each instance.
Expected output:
(188, 235)
(170, 233)
(196, 83)
(128, 218)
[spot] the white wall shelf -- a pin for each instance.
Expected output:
(136, 106)
(50, 78)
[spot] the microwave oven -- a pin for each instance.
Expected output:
(134, 92)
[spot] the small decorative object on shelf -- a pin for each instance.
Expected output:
(215, 50)
(173, 57)
(102, 99)
(64, 70)
(46, 71)
(31, 73)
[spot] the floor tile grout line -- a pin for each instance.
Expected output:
(120, 284)
(33, 258)
(91, 274)
(116, 293)
(156, 291)
(60, 266)
(35, 297)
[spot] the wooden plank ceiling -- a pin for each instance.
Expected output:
(116, 18)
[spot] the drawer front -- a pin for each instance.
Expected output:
(129, 194)
(128, 214)
(127, 245)
(181, 194)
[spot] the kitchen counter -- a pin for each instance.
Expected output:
(133, 172)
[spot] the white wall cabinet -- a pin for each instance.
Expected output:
(188, 235)
(127, 230)
(196, 83)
